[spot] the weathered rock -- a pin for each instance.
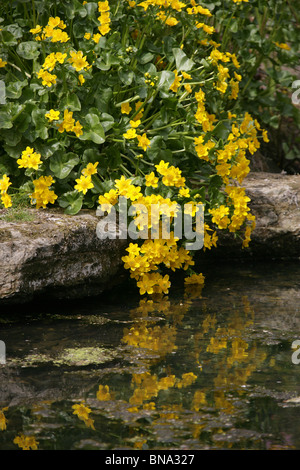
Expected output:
(61, 256)
(57, 255)
(275, 201)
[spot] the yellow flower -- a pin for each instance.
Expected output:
(140, 109)
(84, 183)
(220, 216)
(151, 180)
(81, 79)
(135, 124)
(125, 108)
(42, 195)
(171, 21)
(52, 115)
(122, 185)
(96, 38)
(91, 169)
(144, 142)
(104, 18)
(4, 183)
(48, 79)
(6, 201)
(283, 45)
(104, 29)
(78, 61)
(187, 379)
(36, 30)
(29, 159)
(68, 122)
(175, 85)
(81, 411)
(110, 198)
(130, 134)
(265, 136)
(2, 63)
(103, 6)
(184, 192)
(162, 167)
(77, 129)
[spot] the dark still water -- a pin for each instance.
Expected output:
(195, 370)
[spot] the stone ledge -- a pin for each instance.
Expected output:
(56, 254)
(275, 201)
(61, 256)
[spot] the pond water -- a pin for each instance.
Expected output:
(210, 369)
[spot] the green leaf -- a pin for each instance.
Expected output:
(8, 39)
(14, 89)
(5, 120)
(165, 80)
(145, 58)
(61, 164)
(93, 130)
(15, 30)
(90, 156)
(183, 63)
(71, 201)
(39, 120)
(126, 76)
(48, 148)
(107, 121)
(28, 50)
(73, 8)
(71, 102)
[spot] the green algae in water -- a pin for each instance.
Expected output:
(208, 370)
(69, 357)
(84, 356)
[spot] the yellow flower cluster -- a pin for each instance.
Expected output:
(84, 183)
(78, 61)
(26, 442)
(202, 116)
(68, 124)
(3, 420)
(147, 386)
(42, 194)
(4, 185)
(29, 159)
(131, 133)
(104, 18)
(83, 412)
(180, 78)
(231, 164)
(145, 261)
(52, 59)
(166, 6)
(48, 79)
(53, 30)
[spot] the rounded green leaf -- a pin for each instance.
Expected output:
(28, 50)
(61, 164)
